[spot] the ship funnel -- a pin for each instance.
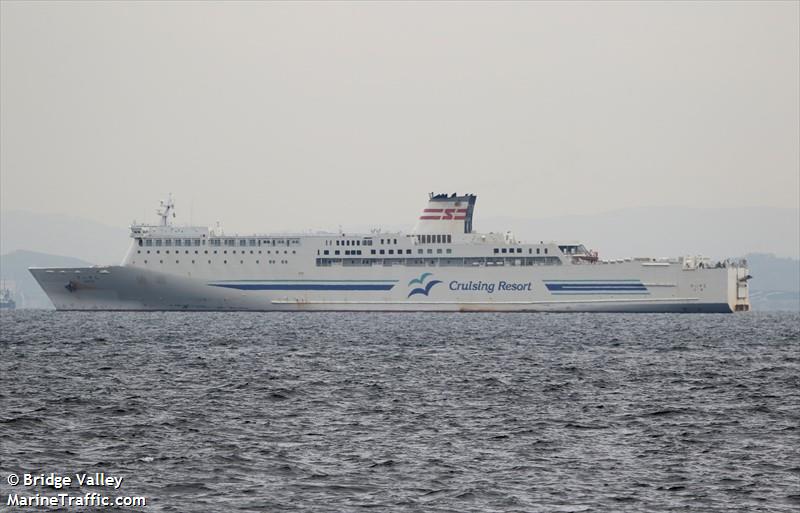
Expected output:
(447, 214)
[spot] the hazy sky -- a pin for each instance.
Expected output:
(278, 115)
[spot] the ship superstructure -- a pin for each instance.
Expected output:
(441, 265)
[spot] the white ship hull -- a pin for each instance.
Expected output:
(441, 266)
(623, 287)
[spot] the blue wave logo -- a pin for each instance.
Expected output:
(425, 289)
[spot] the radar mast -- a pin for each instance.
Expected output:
(164, 211)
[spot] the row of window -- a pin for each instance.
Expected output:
(349, 242)
(518, 250)
(254, 242)
(218, 242)
(434, 239)
(224, 262)
(384, 251)
(441, 262)
(170, 242)
(225, 252)
(358, 242)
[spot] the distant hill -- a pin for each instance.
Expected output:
(28, 293)
(62, 235)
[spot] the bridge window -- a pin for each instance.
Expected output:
(168, 242)
(148, 242)
(178, 242)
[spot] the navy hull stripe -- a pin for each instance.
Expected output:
(305, 286)
(559, 286)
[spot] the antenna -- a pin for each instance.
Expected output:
(165, 210)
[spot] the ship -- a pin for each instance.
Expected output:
(7, 300)
(443, 265)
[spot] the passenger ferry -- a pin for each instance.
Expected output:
(442, 265)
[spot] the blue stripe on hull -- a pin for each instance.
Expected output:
(303, 286)
(562, 287)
